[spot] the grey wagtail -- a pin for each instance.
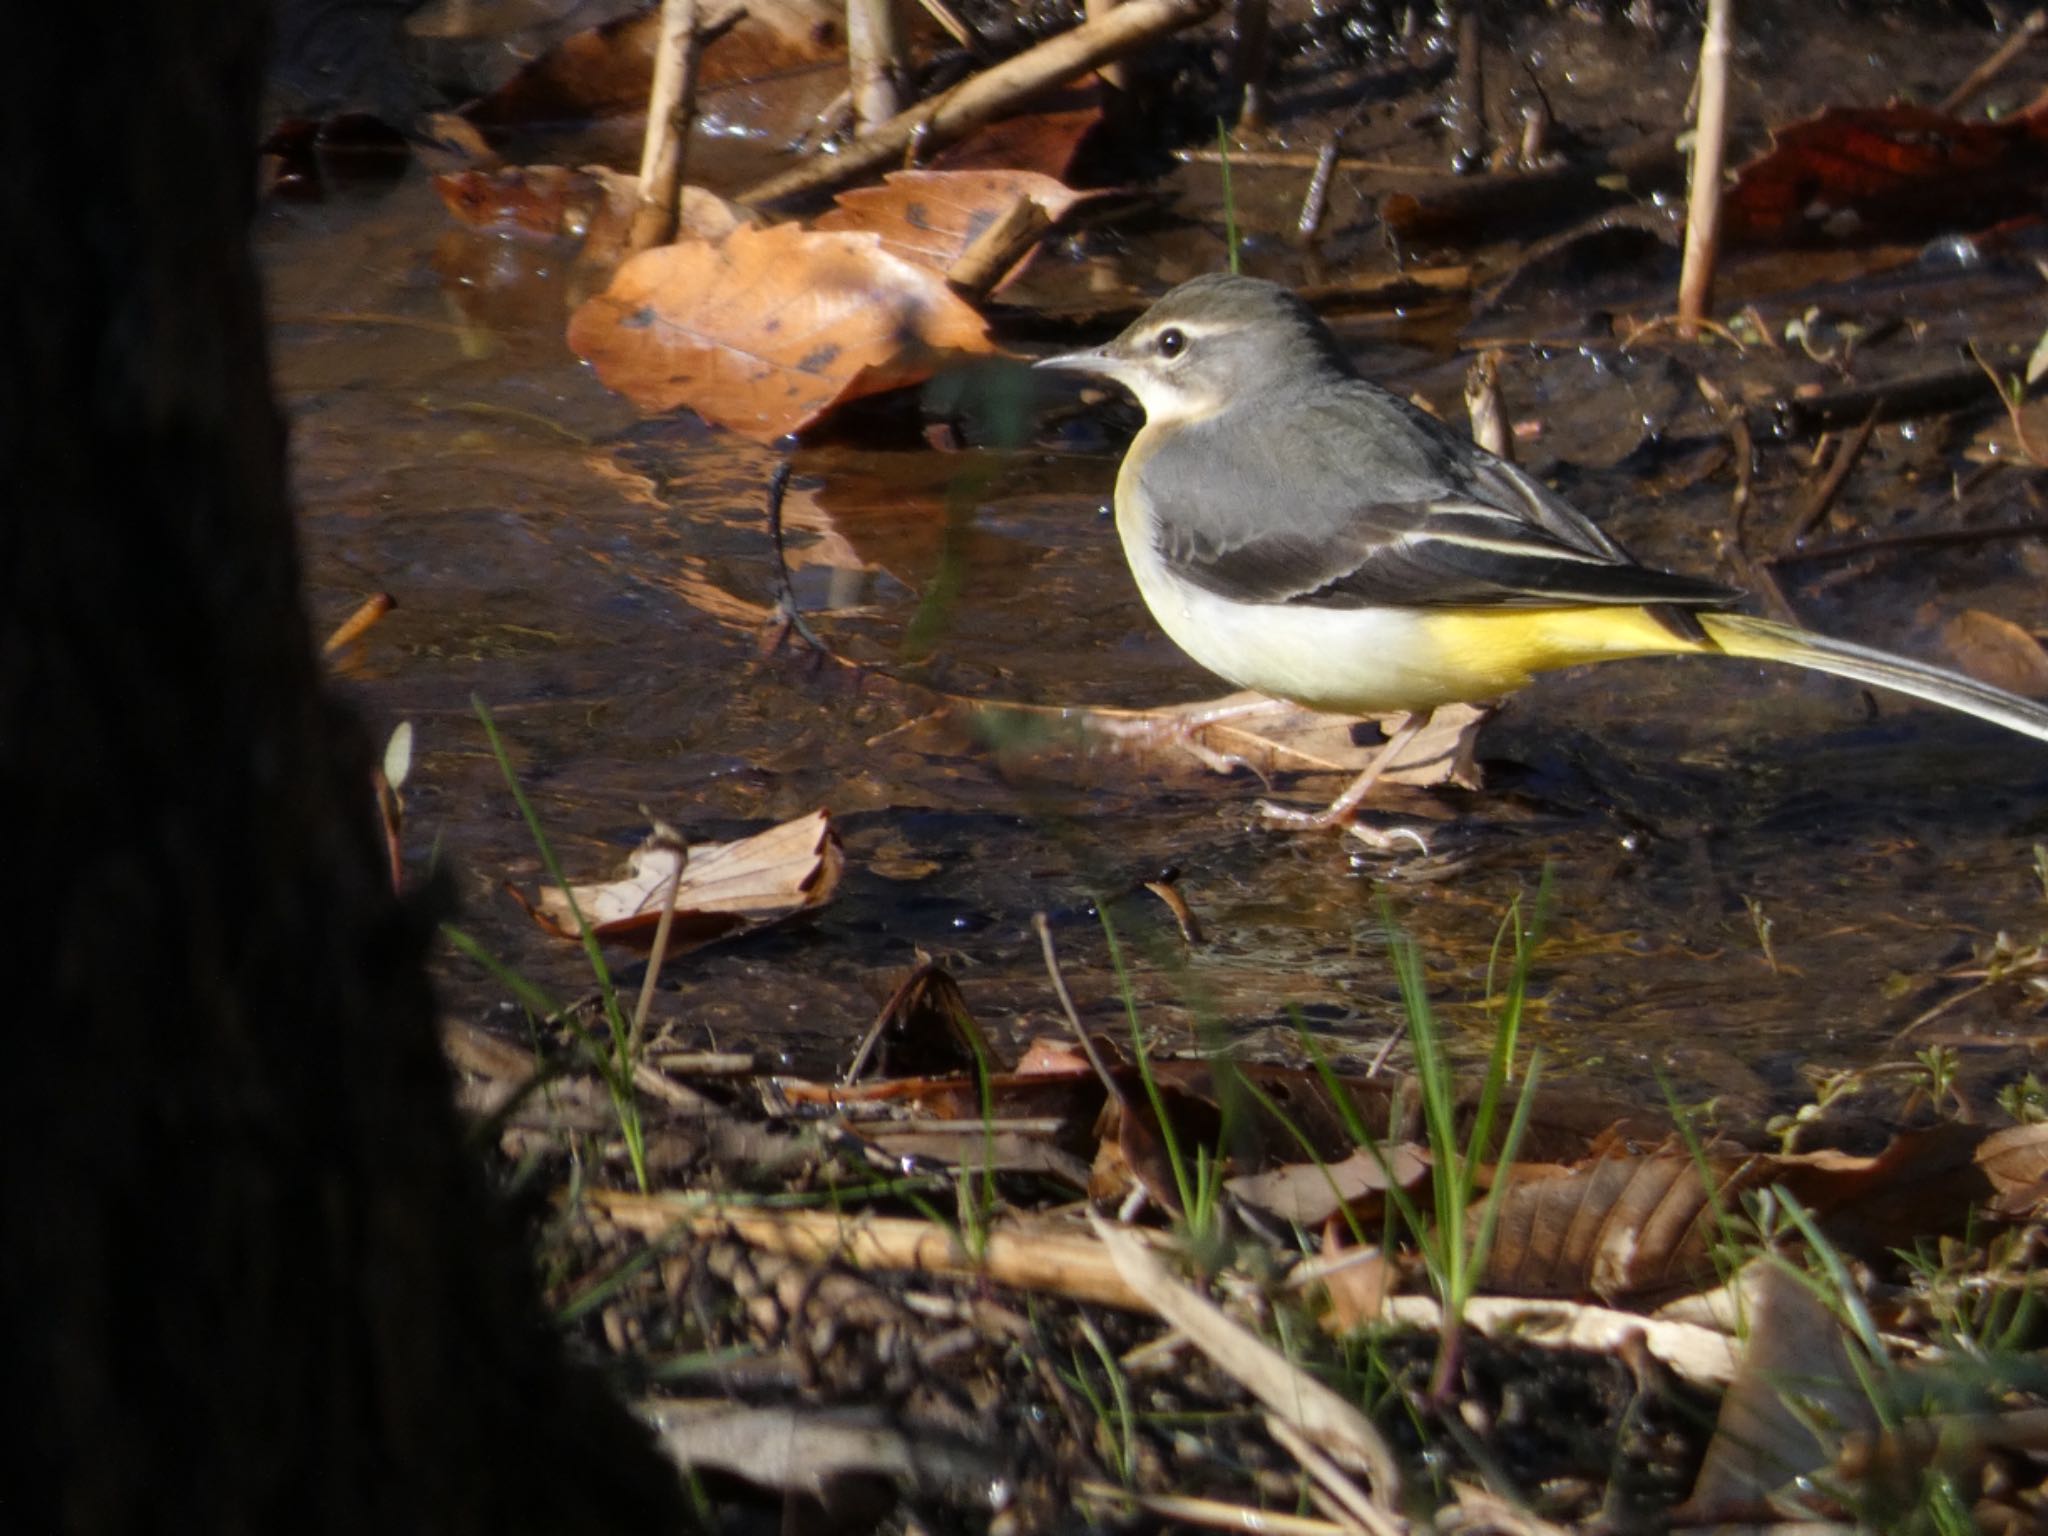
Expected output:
(1306, 534)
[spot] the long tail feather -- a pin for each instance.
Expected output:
(1738, 634)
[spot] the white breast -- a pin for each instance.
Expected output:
(1344, 660)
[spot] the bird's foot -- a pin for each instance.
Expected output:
(1294, 818)
(1379, 839)
(1155, 732)
(1388, 840)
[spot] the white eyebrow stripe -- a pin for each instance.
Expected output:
(1194, 330)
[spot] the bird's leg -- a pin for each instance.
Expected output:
(1180, 730)
(1341, 808)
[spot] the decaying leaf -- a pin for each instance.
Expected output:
(594, 204)
(2015, 1160)
(1046, 141)
(608, 70)
(545, 201)
(2019, 435)
(1309, 1194)
(1240, 731)
(924, 1027)
(769, 329)
(1851, 174)
(1997, 651)
(1795, 1374)
(930, 218)
(1630, 1225)
(727, 888)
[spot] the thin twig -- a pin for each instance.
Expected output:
(1298, 160)
(1248, 62)
(1115, 76)
(1066, 1001)
(670, 109)
(874, 61)
(1217, 1516)
(987, 95)
(1751, 573)
(1940, 538)
(1324, 1472)
(1316, 200)
(957, 29)
(2013, 401)
(1997, 64)
(1832, 482)
(1703, 203)
(666, 840)
(1467, 106)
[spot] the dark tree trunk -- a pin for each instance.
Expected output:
(250, 1281)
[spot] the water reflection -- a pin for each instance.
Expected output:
(605, 584)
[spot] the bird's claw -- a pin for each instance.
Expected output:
(1380, 840)
(1387, 839)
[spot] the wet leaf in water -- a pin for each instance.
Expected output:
(768, 330)
(727, 888)
(930, 218)
(304, 160)
(1997, 651)
(608, 70)
(1863, 173)
(1046, 141)
(2017, 436)
(925, 1027)
(594, 204)
(541, 200)
(1246, 731)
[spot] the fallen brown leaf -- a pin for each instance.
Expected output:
(1045, 141)
(726, 888)
(1795, 1373)
(2015, 1160)
(1997, 651)
(1309, 1194)
(1854, 174)
(608, 70)
(1626, 1225)
(540, 200)
(769, 329)
(930, 218)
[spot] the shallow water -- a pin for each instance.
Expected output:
(588, 575)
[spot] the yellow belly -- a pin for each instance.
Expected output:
(1505, 647)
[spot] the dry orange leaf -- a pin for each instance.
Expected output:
(930, 218)
(726, 888)
(769, 329)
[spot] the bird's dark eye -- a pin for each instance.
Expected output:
(1172, 341)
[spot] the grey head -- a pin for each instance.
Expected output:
(1214, 340)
